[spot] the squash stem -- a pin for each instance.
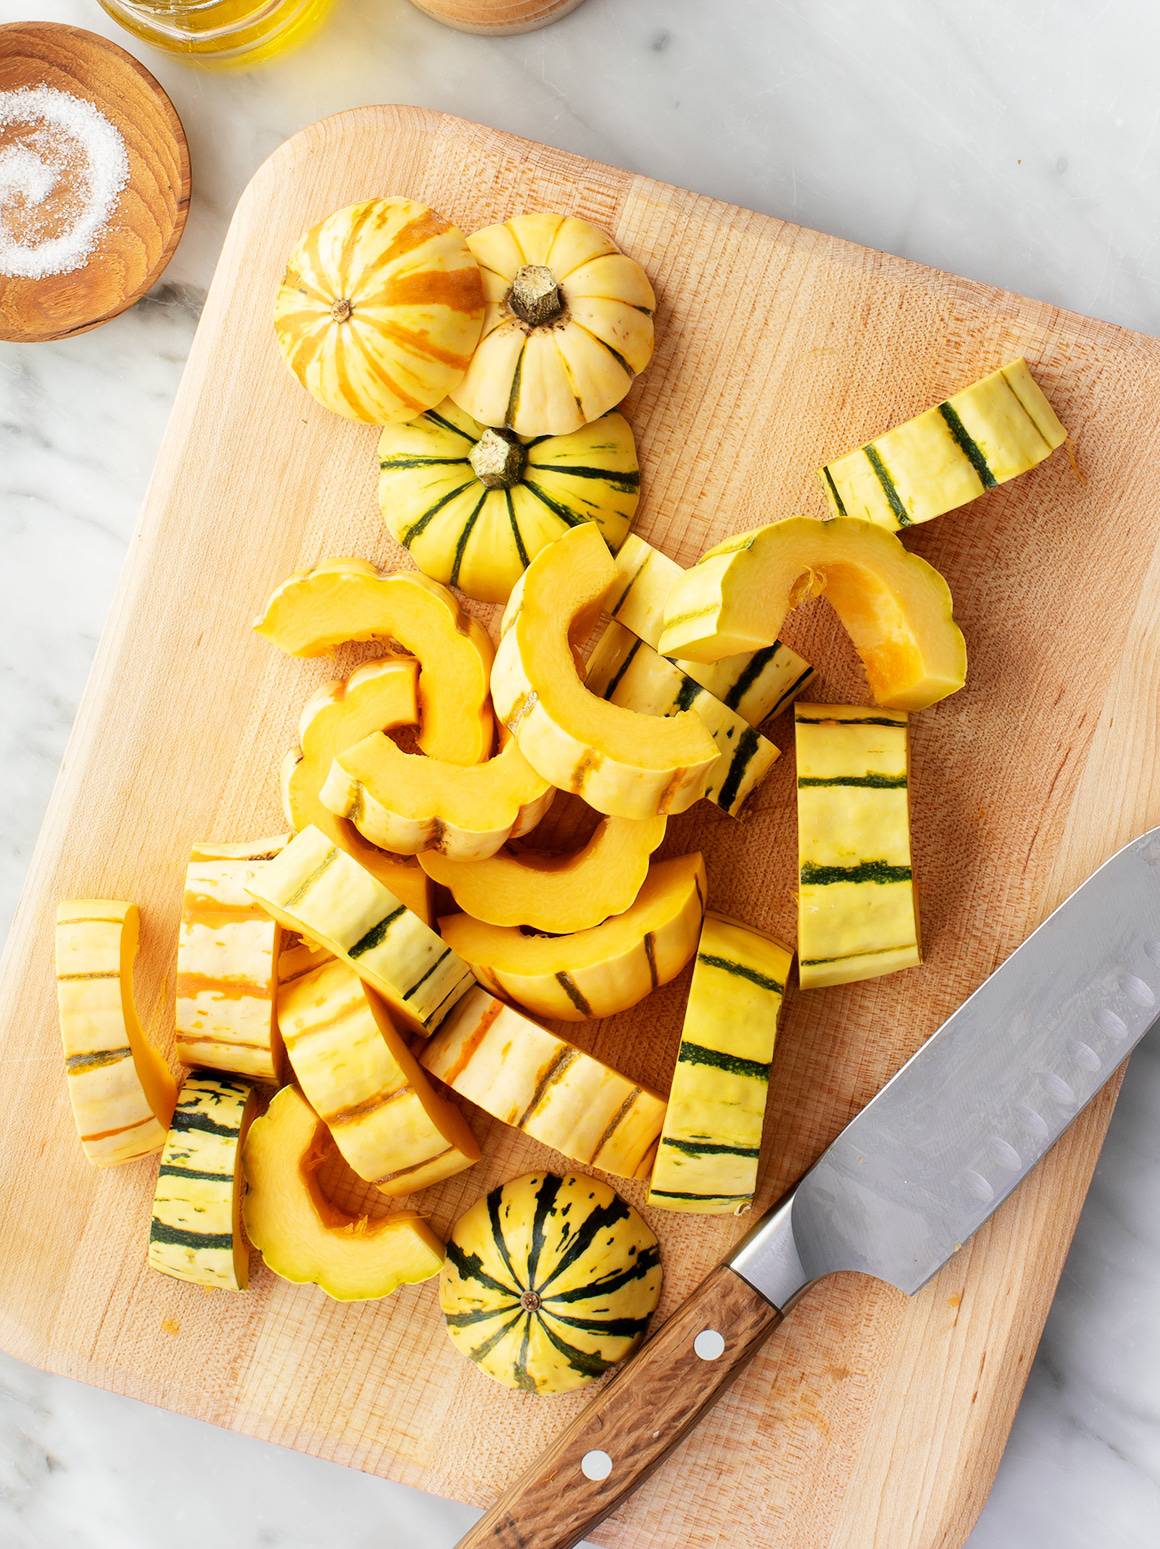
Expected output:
(535, 297)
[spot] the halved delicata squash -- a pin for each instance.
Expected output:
(973, 441)
(596, 972)
(569, 324)
(323, 893)
(380, 309)
(710, 1146)
(621, 762)
(408, 803)
(857, 905)
(196, 1230)
(356, 1071)
(896, 608)
(757, 684)
(552, 892)
(473, 505)
(227, 963)
(346, 599)
(549, 1281)
(539, 1083)
(121, 1090)
(625, 671)
(305, 1237)
(378, 696)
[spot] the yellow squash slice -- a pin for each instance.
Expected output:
(596, 972)
(569, 324)
(121, 1090)
(895, 607)
(550, 892)
(227, 963)
(409, 803)
(620, 761)
(625, 671)
(549, 1282)
(857, 907)
(710, 1146)
(298, 956)
(378, 696)
(305, 1237)
(319, 891)
(344, 599)
(976, 439)
(539, 1083)
(757, 684)
(380, 309)
(196, 1230)
(362, 1080)
(473, 505)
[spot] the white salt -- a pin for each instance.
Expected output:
(62, 168)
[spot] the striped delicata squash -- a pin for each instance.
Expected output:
(569, 323)
(473, 505)
(380, 309)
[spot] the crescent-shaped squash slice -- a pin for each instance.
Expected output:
(539, 1083)
(121, 1090)
(895, 607)
(408, 803)
(378, 696)
(362, 1080)
(346, 599)
(596, 972)
(550, 892)
(621, 762)
(305, 1237)
(323, 893)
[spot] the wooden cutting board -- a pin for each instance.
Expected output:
(871, 1420)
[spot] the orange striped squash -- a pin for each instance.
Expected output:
(380, 309)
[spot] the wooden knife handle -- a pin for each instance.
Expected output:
(658, 1396)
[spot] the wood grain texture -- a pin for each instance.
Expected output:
(146, 226)
(642, 1414)
(869, 1420)
(498, 17)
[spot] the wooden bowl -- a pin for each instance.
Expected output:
(146, 225)
(496, 16)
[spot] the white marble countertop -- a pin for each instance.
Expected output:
(1014, 143)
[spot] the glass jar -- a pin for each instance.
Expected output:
(220, 31)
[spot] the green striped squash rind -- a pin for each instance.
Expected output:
(857, 905)
(480, 539)
(549, 1281)
(195, 1231)
(710, 1147)
(990, 432)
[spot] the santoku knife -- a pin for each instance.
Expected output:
(901, 1188)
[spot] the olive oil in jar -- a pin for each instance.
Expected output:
(220, 32)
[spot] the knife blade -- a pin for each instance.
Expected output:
(903, 1186)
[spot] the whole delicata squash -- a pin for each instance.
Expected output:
(380, 309)
(473, 505)
(569, 323)
(549, 1281)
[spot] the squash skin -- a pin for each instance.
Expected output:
(621, 762)
(549, 379)
(555, 893)
(857, 904)
(346, 599)
(973, 441)
(710, 1148)
(380, 309)
(120, 1089)
(378, 696)
(895, 607)
(196, 1230)
(597, 972)
(303, 1236)
(496, 1254)
(462, 532)
(526, 1076)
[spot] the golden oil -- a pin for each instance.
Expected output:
(220, 32)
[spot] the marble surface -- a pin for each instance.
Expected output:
(1012, 143)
